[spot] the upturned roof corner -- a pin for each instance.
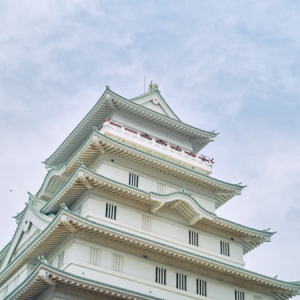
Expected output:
(104, 106)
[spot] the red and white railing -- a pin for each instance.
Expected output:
(160, 142)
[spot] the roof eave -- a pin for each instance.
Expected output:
(151, 194)
(50, 161)
(68, 216)
(236, 188)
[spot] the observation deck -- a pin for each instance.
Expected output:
(157, 147)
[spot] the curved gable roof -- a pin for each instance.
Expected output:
(168, 110)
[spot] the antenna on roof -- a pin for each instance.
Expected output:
(144, 84)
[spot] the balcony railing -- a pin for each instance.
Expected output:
(196, 160)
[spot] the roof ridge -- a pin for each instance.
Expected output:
(142, 95)
(54, 153)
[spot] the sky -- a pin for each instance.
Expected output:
(229, 66)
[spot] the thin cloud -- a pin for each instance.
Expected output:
(232, 67)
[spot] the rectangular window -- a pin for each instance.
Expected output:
(118, 262)
(224, 247)
(61, 259)
(146, 223)
(133, 180)
(181, 281)
(239, 295)
(111, 211)
(256, 297)
(161, 188)
(95, 256)
(193, 238)
(201, 287)
(160, 275)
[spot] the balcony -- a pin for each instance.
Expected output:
(157, 147)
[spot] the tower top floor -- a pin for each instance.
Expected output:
(149, 108)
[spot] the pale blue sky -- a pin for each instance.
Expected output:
(229, 66)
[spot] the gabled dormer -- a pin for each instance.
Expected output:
(29, 224)
(155, 101)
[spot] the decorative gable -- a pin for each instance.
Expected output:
(155, 105)
(154, 101)
(29, 226)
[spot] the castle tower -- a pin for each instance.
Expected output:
(127, 210)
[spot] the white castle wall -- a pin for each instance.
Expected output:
(139, 274)
(147, 182)
(167, 226)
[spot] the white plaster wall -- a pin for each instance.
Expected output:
(146, 183)
(174, 232)
(139, 274)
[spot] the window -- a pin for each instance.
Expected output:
(256, 297)
(146, 223)
(181, 281)
(161, 188)
(201, 287)
(133, 180)
(239, 295)
(95, 256)
(61, 259)
(160, 275)
(225, 249)
(193, 238)
(111, 211)
(118, 262)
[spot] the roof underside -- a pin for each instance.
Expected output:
(66, 222)
(185, 204)
(110, 101)
(90, 150)
(45, 276)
